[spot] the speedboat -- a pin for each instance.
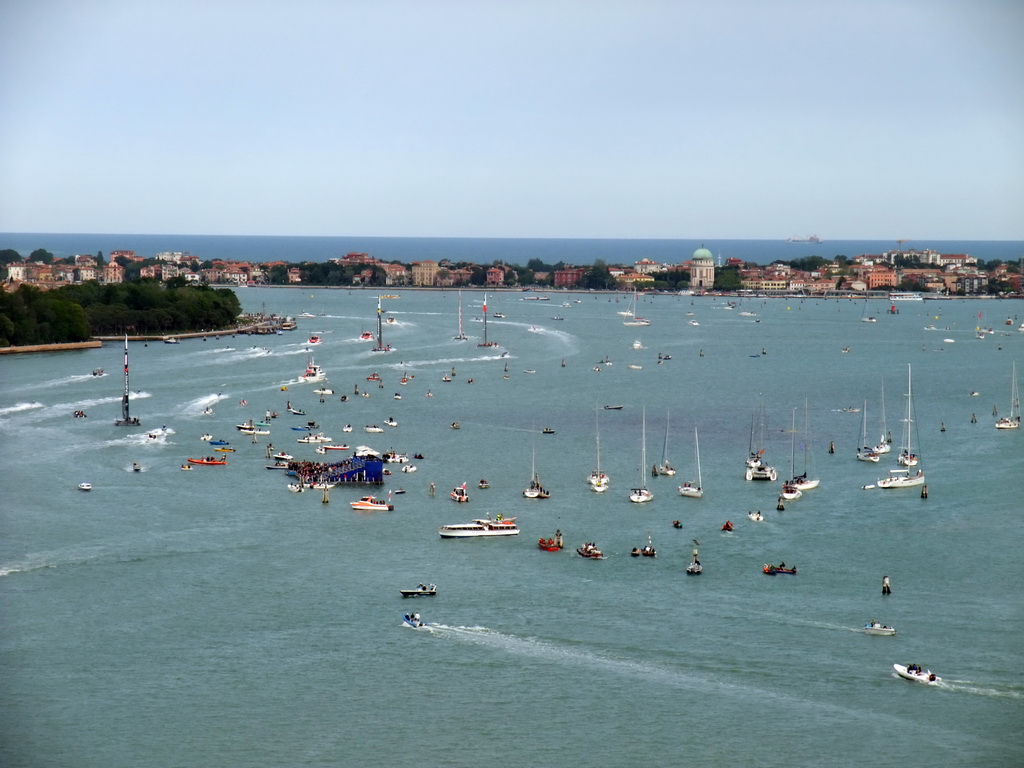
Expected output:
(590, 551)
(390, 422)
(554, 544)
(319, 437)
(771, 570)
(314, 339)
(209, 461)
(917, 674)
(413, 620)
(877, 628)
(85, 486)
(757, 517)
(323, 391)
(502, 526)
(460, 494)
(373, 428)
(282, 456)
(326, 448)
(372, 504)
(423, 590)
(98, 372)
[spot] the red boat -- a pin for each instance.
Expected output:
(209, 461)
(771, 570)
(551, 545)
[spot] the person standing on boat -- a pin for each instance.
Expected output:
(886, 589)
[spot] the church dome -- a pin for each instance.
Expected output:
(703, 253)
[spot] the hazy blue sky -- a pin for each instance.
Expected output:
(554, 118)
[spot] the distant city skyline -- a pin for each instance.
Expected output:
(560, 119)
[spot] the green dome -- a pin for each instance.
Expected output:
(703, 253)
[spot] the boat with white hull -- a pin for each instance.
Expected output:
(642, 494)
(691, 490)
(1013, 420)
(502, 526)
(901, 477)
(918, 675)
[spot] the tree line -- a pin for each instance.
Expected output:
(77, 312)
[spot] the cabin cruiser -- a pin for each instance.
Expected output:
(502, 526)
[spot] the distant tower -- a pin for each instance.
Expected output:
(702, 269)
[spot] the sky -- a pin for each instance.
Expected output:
(849, 119)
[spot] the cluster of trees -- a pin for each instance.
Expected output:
(76, 312)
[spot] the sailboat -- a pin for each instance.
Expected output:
(485, 342)
(598, 480)
(126, 420)
(689, 489)
(789, 491)
(633, 319)
(757, 469)
(900, 477)
(381, 346)
(628, 312)
(804, 481)
(461, 335)
(867, 452)
(885, 441)
(1013, 420)
(642, 494)
(665, 468)
(535, 489)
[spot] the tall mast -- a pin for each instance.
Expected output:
(461, 334)
(124, 400)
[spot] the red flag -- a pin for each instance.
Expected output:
(485, 305)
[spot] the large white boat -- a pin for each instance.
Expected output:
(902, 478)
(313, 371)
(502, 526)
(1012, 421)
(905, 296)
(319, 437)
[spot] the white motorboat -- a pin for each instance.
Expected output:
(423, 590)
(695, 568)
(918, 675)
(460, 494)
(323, 391)
(371, 504)
(756, 516)
(85, 486)
(373, 428)
(877, 628)
(502, 526)
(390, 422)
(282, 456)
(319, 437)
(313, 371)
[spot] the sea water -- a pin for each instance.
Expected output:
(210, 617)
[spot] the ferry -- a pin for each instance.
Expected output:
(905, 296)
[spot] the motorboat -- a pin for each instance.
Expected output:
(590, 551)
(460, 494)
(373, 428)
(413, 620)
(313, 371)
(366, 336)
(371, 504)
(877, 628)
(422, 590)
(209, 461)
(409, 468)
(756, 516)
(323, 391)
(282, 456)
(390, 422)
(218, 442)
(171, 340)
(483, 484)
(98, 372)
(772, 570)
(314, 339)
(319, 437)
(85, 486)
(502, 526)
(554, 544)
(695, 568)
(918, 675)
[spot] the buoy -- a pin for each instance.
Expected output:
(326, 499)
(831, 446)
(924, 491)
(780, 506)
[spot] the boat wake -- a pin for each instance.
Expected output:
(198, 406)
(978, 689)
(19, 408)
